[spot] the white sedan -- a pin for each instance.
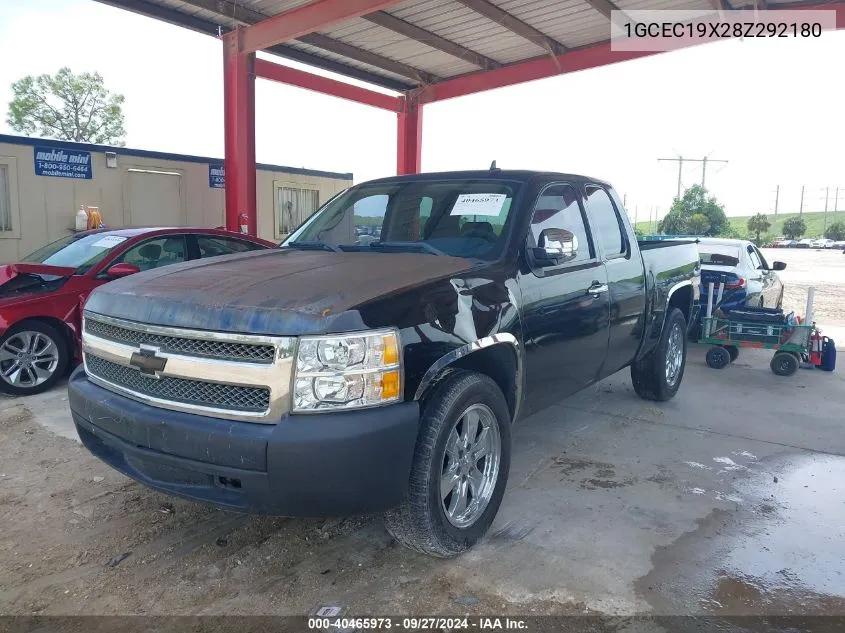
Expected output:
(748, 278)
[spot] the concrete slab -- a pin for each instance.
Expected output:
(614, 505)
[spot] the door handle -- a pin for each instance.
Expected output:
(597, 288)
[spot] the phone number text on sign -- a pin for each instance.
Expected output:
(61, 169)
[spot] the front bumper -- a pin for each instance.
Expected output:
(328, 464)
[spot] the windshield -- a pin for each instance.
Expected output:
(462, 218)
(719, 254)
(82, 253)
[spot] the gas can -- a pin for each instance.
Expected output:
(828, 355)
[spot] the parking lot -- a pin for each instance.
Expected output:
(726, 500)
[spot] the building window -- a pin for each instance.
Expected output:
(9, 218)
(293, 207)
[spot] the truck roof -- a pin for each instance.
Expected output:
(521, 175)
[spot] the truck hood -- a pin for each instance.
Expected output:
(278, 292)
(24, 279)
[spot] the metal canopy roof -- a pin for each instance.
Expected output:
(421, 43)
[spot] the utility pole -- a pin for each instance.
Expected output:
(801, 208)
(826, 196)
(835, 204)
(777, 197)
(680, 160)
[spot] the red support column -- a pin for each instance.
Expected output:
(239, 130)
(409, 136)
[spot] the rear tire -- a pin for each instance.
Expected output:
(733, 351)
(33, 356)
(784, 364)
(718, 357)
(658, 376)
(465, 415)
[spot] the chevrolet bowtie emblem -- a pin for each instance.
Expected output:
(148, 362)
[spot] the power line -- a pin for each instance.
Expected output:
(681, 160)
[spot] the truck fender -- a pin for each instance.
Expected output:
(686, 308)
(457, 359)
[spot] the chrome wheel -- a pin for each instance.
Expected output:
(470, 465)
(28, 359)
(674, 355)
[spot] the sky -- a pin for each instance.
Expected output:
(771, 108)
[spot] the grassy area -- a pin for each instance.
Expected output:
(814, 221)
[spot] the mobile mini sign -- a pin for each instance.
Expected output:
(63, 163)
(216, 176)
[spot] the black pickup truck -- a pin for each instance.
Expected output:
(377, 359)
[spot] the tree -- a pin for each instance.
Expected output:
(835, 231)
(672, 224)
(695, 201)
(67, 107)
(758, 224)
(698, 224)
(794, 227)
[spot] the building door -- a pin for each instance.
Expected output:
(155, 198)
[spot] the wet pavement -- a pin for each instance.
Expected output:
(781, 552)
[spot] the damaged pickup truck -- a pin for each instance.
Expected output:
(377, 360)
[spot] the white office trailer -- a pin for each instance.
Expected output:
(44, 184)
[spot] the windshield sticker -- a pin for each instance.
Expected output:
(479, 204)
(109, 241)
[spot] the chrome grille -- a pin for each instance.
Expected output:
(194, 392)
(223, 350)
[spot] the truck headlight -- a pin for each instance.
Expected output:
(347, 371)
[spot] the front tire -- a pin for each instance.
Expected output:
(33, 356)
(784, 364)
(717, 357)
(460, 468)
(658, 376)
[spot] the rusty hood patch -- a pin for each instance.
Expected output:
(282, 292)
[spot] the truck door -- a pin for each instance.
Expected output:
(565, 306)
(625, 276)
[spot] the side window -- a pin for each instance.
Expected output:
(605, 222)
(762, 259)
(156, 252)
(755, 259)
(212, 245)
(558, 208)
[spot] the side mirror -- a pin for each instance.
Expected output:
(557, 246)
(122, 270)
(778, 265)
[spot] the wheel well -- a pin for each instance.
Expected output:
(499, 362)
(681, 299)
(60, 326)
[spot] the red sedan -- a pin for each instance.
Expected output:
(41, 298)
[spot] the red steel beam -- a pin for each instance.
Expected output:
(291, 76)
(538, 68)
(239, 133)
(409, 136)
(568, 62)
(306, 19)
